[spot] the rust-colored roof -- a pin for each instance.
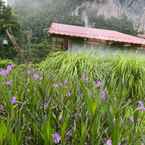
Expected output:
(92, 33)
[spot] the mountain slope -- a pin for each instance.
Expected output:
(133, 9)
(88, 10)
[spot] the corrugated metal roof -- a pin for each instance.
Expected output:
(92, 33)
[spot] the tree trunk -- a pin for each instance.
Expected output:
(13, 41)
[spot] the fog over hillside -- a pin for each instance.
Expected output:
(6, 2)
(88, 9)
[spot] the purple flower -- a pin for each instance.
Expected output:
(13, 100)
(56, 138)
(8, 83)
(3, 72)
(104, 95)
(98, 83)
(69, 94)
(65, 82)
(10, 67)
(141, 106)
(108, 142)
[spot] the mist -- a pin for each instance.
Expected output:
(6, 2)
(86, 9)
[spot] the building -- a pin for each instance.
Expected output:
(78, 37)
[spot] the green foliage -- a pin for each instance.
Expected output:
(121, 24)
(38, 21)
(7, 18)
(127, 76)
(7, 52)
(72, 20)
(5, 62)
(8, 23)
(72, 65)
(120, 73)
(63, 97)
(37, 51)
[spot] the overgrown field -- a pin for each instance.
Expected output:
(73, 99)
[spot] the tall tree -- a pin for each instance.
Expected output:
(8, 24)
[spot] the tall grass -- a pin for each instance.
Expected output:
(73, 65)
(127, 76)
(123, 74)
(65, 98)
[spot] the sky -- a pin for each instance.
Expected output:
(10, 2)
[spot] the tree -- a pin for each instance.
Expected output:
(39, 15)
(121, 24)
(8, 24)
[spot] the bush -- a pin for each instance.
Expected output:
(7, 52)
(37, 51)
